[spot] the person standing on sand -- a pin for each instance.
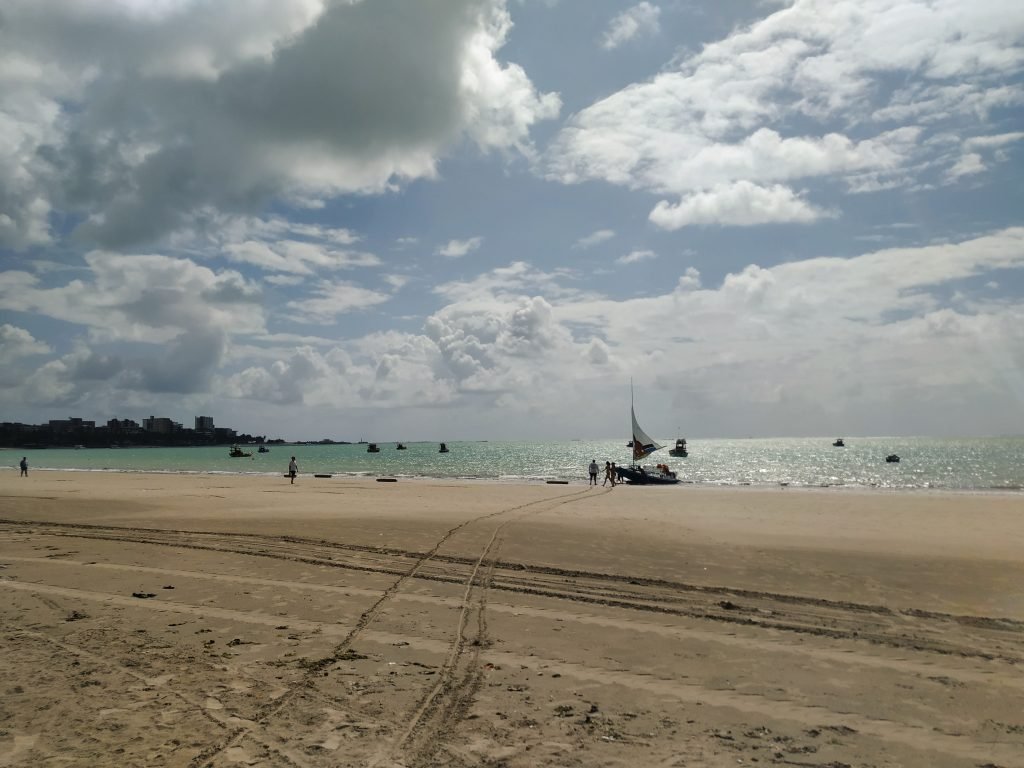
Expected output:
(24, 466)
(608, 474)
(293, 469)
(615, 474)
(593, 472)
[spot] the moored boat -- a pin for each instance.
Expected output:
(660, 474)
(679, 449)
(372, 448)
(892, 458)
(263, 449)
(839, 443)
(400, 447)
(443, 448)
(644, 446)
(237, 453)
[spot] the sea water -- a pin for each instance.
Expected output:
(975, 463)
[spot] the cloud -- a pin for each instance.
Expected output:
(800, 95)
(594, 238)
(517, 279)
(331, 299)
(297, 257)
(874, 335)
(987, 142)
(968, 165)
(635, 256)
(17, 343)
(641, 19)
(456, 249)
(134, 121)
(867, 334)
(141, 297)
(740, 204)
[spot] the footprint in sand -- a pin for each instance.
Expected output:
(212, 703)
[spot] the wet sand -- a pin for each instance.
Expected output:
(169, 620)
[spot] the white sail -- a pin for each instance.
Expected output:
(643, 445)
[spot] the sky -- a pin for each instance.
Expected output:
(482, 219)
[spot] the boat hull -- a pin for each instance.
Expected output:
(640, 476)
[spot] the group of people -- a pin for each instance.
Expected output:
(610, 475)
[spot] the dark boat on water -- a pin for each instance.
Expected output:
(400, 447)
(443, 448)
(638, 475)
(892, 458)
(372, 448)
(237, 453)
(839, 443)
(680, 448)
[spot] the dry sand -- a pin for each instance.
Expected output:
(167, 620)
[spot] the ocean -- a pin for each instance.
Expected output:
(968, 464)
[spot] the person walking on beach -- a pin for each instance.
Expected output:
(608, 476)
(615, 474)
(593, 471)
(293, 469)
(24, 467)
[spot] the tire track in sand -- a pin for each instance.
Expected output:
(902, 629)
(343, 650)
(448, 700)
(916, 736)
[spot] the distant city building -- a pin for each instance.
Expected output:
(126, 426)
(161, 426)
(72, 424)
(118, 433)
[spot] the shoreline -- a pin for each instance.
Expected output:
(1010, 491)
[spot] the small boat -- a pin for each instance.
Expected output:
(263, 449)
(644, 446)
(892, 458)
(400, 447)
(443, 448)
(372, 448)
(839, 443)
(629, 444)
(680, 449)
(660, 474)
(237, 453)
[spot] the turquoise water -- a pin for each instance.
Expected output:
(955, 463)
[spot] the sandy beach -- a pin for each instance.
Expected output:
(218, 620)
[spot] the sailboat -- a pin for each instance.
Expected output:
(644, 446)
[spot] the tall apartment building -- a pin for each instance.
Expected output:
(162, 426)
(204, 423)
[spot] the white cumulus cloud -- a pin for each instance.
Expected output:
(741, 204)
(456, 249)
(641, 19)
